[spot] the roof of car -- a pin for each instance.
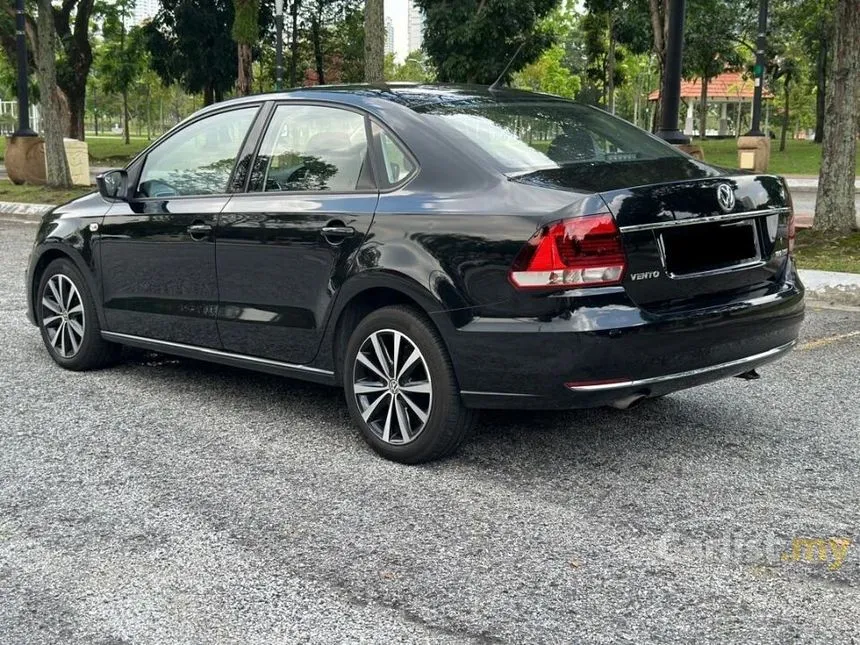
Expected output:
(411, 95)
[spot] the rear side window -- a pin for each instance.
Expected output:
(397, 164)
(532, 135)
(312, 148)
(197, 160)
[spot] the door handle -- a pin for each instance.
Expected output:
(199, 232)
(338, 231)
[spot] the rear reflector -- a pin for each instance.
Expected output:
(577, 252)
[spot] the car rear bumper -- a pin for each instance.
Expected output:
(614, 354)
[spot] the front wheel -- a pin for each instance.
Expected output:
(68, 320)
(400, 387)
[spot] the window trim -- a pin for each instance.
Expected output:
(327, 104)
(139, 162)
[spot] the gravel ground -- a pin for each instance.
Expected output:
(169, 501)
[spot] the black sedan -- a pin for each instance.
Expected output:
(431, 249)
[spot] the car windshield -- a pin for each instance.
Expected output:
(527, 136)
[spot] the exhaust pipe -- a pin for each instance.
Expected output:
(627, 402)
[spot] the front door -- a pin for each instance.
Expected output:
(286, 244)
(158, 249)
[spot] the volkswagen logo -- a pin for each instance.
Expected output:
(726, 197)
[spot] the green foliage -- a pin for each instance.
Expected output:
(548, 74)
(246, 22)
(472, 41)
(710, 38)
(415, 68)
(121, 59)
(190, 43)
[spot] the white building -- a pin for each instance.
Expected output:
(389, 36)
(416, 26)
(144, 10)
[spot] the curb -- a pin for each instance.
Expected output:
(831, 287)
(21, 210)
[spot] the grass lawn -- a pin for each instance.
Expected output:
(799, 158)
(29, 194)
(828, 252)
(107, 150)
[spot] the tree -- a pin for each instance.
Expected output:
(246, 31)
(72, 23)
(374, 41)
(120, 57)
(189, 42)
(710, 46)
(548, 74)
(473, 41)
(55, 152)
(834, 206)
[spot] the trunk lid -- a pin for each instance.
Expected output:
(689, 240)
(690, 231)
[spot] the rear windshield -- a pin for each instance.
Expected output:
(528, 136)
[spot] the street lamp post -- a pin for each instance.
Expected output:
(24, 129)
(760, 45)
(670, 96)
(279, 44)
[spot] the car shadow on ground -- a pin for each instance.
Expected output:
(537, 443)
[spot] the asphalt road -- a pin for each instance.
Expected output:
(168, 501)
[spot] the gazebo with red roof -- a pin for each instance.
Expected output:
(726, 88)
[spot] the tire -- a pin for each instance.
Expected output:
(68, 320)
(426, 386)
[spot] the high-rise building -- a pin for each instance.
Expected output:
(144, 10)
(416, 26)
(389, 36)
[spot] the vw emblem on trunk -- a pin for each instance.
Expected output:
(726, 197)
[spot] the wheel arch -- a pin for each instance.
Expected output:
(47, 254)
(361, 296)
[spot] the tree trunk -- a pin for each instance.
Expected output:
(820, 89)
(52, 124)
(74, 37)
(244, 85)
(834, 206)
(703, 116)
(294, 42)
(318, 54)
(125, 131)
(659, 11)
(208, 95)
(610, 67)
(785, 114)
(374, 41)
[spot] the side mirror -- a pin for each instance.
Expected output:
(113, 185)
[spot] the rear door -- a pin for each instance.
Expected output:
(285, 245)
(158, 249)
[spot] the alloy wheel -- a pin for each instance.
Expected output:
(63, 315)
(392, 386)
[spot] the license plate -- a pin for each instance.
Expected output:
(700, 248)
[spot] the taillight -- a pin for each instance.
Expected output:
(792, 233)
(577, 252)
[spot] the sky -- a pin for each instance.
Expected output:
(396, 10)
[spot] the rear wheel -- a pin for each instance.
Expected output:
(400, 387)
(68, 320)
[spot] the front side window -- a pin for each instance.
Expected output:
(310, 148)
(531, 135)
(197, 160)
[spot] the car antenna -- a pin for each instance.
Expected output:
(498, 82)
